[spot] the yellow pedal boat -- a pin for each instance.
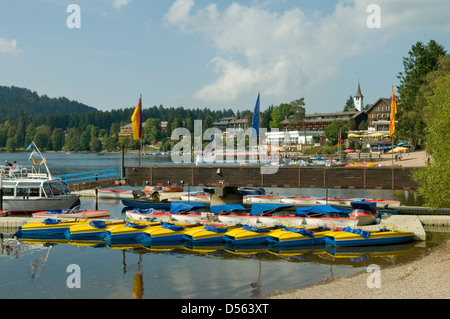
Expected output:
(207, 234)
(128, 232)
(298, 236)
(357, 237)
(94, 230)
(249, 235)
(166, 233)
(48, 228)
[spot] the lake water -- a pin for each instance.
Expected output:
(40, 269)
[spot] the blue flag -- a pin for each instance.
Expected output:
(255, 120)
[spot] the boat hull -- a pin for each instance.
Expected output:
(115, 194)
(307, 201)
(206, 235)
(293, 237)
(162, 205)
(199, 198)
(247, 235)
(65, 214)
(49, 228)
(148, 217)
(128, 232)
(94, 230)
(31, 205)
(165, 234)
(343, 238)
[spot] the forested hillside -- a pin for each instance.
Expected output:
(14, 99)
(60, 124)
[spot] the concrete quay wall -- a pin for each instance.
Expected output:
(285, 177)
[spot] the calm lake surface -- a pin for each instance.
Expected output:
(40, 269)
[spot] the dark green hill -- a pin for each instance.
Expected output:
(14, 99)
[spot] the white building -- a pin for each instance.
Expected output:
(292, 137)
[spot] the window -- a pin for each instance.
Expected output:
(8, 191)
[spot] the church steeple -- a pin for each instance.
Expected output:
(358, 99)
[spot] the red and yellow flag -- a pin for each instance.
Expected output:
(136, 120)
(393, 112)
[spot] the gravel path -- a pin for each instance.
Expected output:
(424, 278)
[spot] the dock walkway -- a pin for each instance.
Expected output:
(411, 223)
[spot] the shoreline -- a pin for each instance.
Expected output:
(427, 277)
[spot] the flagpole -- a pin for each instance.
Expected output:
(392, 135)
(140, 140)
(43, 159)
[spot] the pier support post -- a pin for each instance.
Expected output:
(224, 195)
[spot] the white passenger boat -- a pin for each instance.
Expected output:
(25, 190)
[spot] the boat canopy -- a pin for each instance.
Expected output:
(319, 210)
(371, 206)
(267, 209)
(184, 207)
(216, 209)
(362, 233)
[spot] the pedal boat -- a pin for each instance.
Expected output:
(259, 213)
(208, 234)
(187, 212)
(48, 228)
(78, 211)
(360, 213)
(147, 215)
(128, 232)
(164, 234)
(248, 235)
(358, 237)
(94, 230)
(298, 236)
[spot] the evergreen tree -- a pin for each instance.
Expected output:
(422, 59)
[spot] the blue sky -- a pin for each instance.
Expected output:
(216, 54)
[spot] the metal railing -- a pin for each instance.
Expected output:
(92, 176)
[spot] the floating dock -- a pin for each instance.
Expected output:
(411, 223)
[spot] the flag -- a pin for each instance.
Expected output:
(255, 120)
(32, 154)
(393, 112)
(136, 121)
(34, 161)
(43, 161)
(30, 147)
(340, 139)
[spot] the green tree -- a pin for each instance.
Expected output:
(298, 111)
(152, 130)
(57, 139)
(422, 59)
(85, 139)
(434, 179)
(41, 139)
(333, 130)
(349, 104)
(95, 144)
(279, 114)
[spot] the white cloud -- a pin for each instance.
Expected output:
(119, 3)
(282, 52)
(9, 46)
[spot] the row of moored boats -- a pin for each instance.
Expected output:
(171, 229)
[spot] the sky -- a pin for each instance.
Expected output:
(215, 54)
